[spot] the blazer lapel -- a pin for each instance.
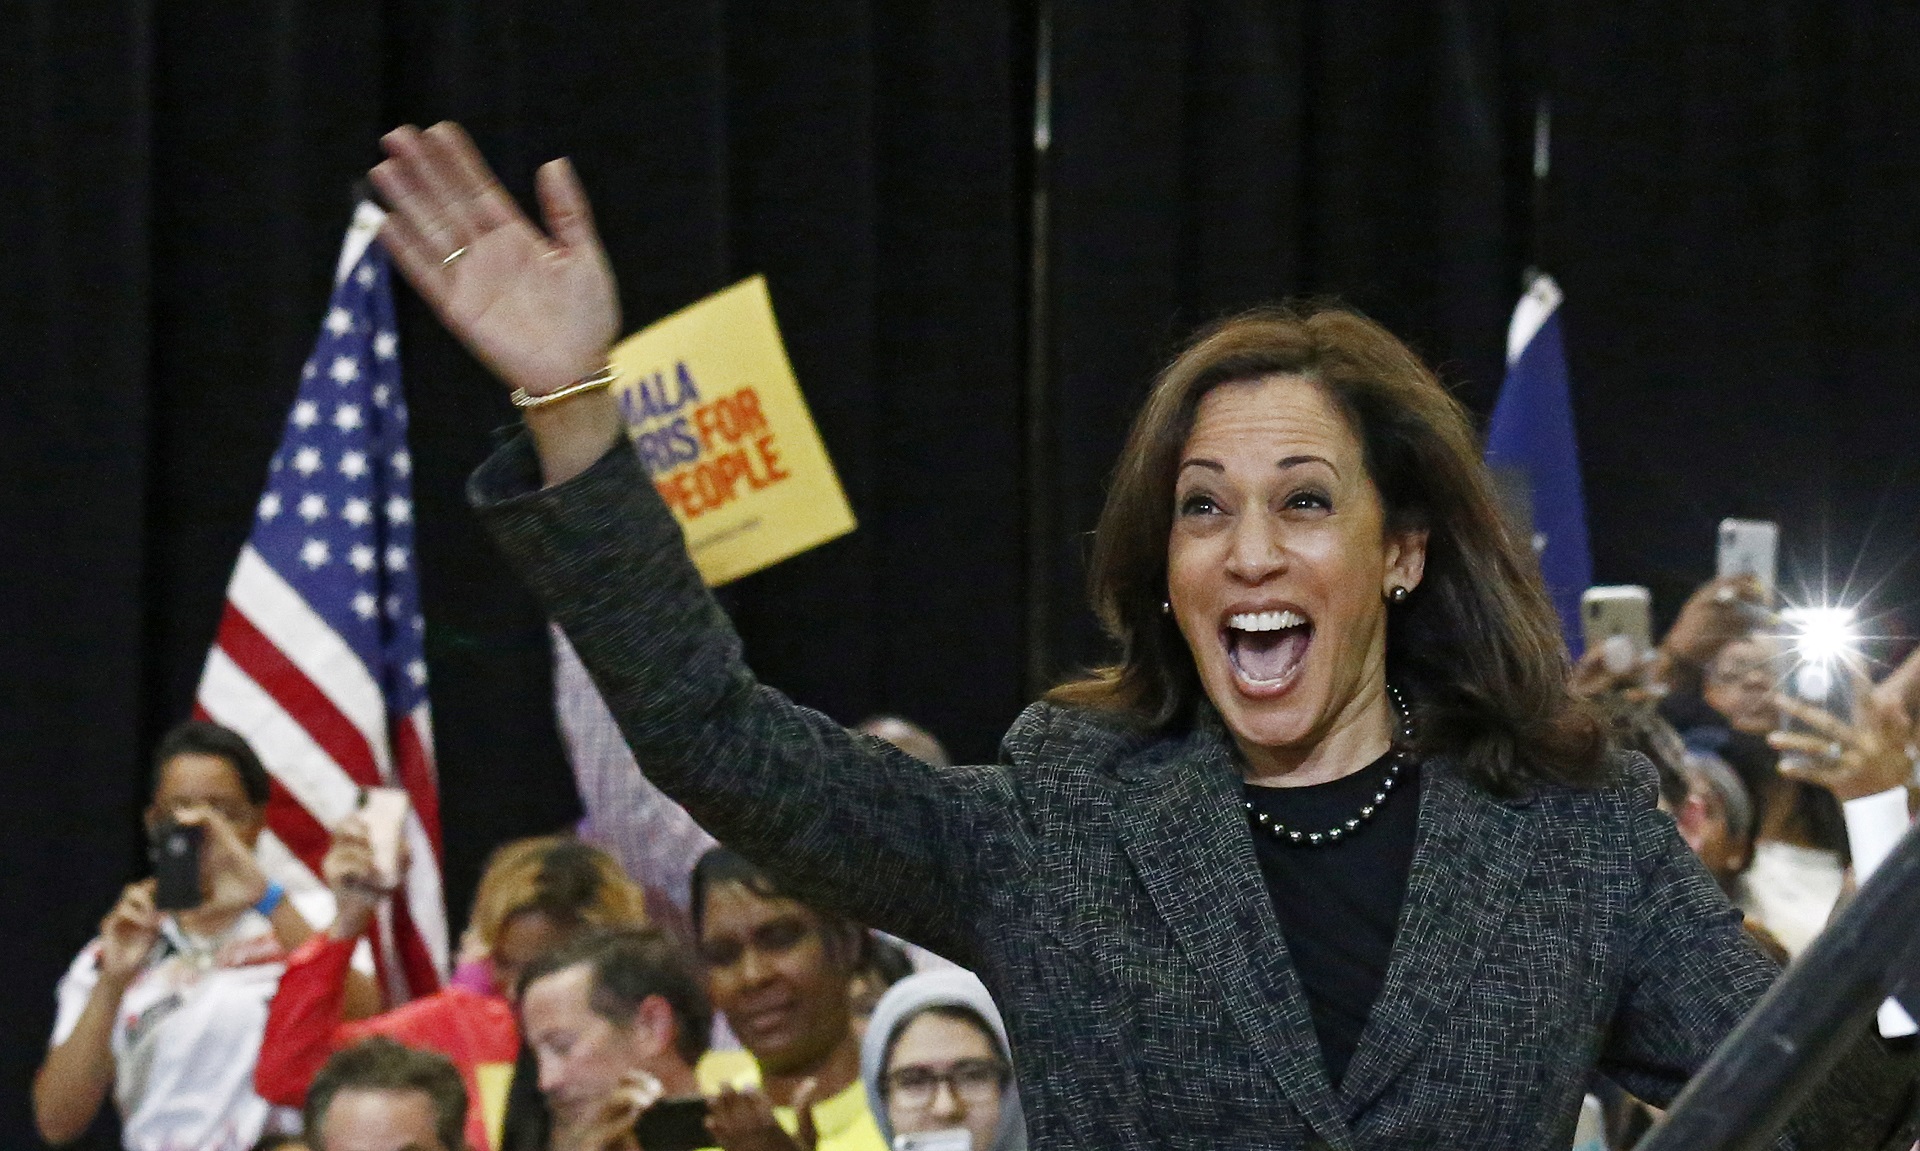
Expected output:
(1180, 823)
(1470, 858)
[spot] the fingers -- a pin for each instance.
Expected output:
(639, 1090)
(481, 204)
(1812, 746)
(564, 206)
(1817, 718)
(806, 1133)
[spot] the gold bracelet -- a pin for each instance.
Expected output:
(603, 378)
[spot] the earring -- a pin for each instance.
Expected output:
(1166, 607)
(1398, 595)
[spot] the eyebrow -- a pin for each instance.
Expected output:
(1283, 465)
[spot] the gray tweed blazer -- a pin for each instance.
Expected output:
(1103, 884)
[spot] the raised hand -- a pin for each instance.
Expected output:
(354, 879)
(229, 875)
(1851, 760)
(127, 933)
(539, 308)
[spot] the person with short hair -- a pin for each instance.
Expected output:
(935, 1058)
(616, 1020)
(780, 970)
(379, 1095)
(166, 1009)
(534, 895)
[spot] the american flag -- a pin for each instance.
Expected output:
(319, 660)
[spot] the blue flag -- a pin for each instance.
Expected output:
(1536, 458)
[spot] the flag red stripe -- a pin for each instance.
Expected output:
(416, 775)
(416, 962)
(297, 695)
(297, 828)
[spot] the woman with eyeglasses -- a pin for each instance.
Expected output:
(935, 1060)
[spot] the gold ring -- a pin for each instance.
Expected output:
(454, 255)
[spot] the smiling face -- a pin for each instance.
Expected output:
(1278, 569)
(773, 971)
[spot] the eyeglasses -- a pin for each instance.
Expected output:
(975, 1082)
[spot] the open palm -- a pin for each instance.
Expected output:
(538, 308)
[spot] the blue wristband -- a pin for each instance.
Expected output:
(270, 898)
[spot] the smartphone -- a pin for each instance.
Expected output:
(952, 1139)
(175, 849)
(384, 811)
(1749, 547)
(673, 1125)
(1624, 610)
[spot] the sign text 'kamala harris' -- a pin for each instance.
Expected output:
(720, 425)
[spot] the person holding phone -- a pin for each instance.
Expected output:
(534, 895)
(1329, 856)
(167, 1006)
(937, 1068)
(616, 1021)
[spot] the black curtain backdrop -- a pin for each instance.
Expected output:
(1730, 212)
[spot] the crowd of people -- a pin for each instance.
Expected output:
(1340, 852)
(253, 1018)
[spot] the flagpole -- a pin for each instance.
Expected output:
(1542, 168)
(1038, 474)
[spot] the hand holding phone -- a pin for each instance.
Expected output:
(952, 1139)
(673, 1125)
(1618, 622)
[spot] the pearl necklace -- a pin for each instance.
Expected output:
(1338, 832)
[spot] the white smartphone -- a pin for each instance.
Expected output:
(952, 1139)
(384, 810)
(1623, 610)
(1749, 547)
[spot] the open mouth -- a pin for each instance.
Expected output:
(1267, 648)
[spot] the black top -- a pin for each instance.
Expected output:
(1339, 903)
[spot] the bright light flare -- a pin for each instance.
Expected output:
(1822, 635)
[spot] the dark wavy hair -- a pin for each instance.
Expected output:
(1476, 648)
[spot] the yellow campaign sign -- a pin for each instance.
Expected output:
(719, 422)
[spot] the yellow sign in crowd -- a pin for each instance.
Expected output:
(717, 417)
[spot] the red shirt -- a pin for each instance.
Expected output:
(304, 1029)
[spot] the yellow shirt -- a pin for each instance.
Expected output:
(844, 1121)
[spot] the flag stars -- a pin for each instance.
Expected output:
(314, 553)
(399, 510)
(357, 512)
(402, 463)
(308, 370)
(346, 417)
(365, 606)
(306, 461)
(345, 370)
(381, 395)
(385, 344)
(419, 623)
(396, 559)
(361, 556)
(313, 506)
(353, 465)
(365, 276)
(417, 672)
(339, 321)
(394, 607)
(269, 506)
(306, 413)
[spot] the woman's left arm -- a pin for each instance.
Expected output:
(1692, 974)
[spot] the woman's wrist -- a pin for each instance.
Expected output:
(571, 435)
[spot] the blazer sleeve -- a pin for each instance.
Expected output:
(846, 820)
(1692, 973)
